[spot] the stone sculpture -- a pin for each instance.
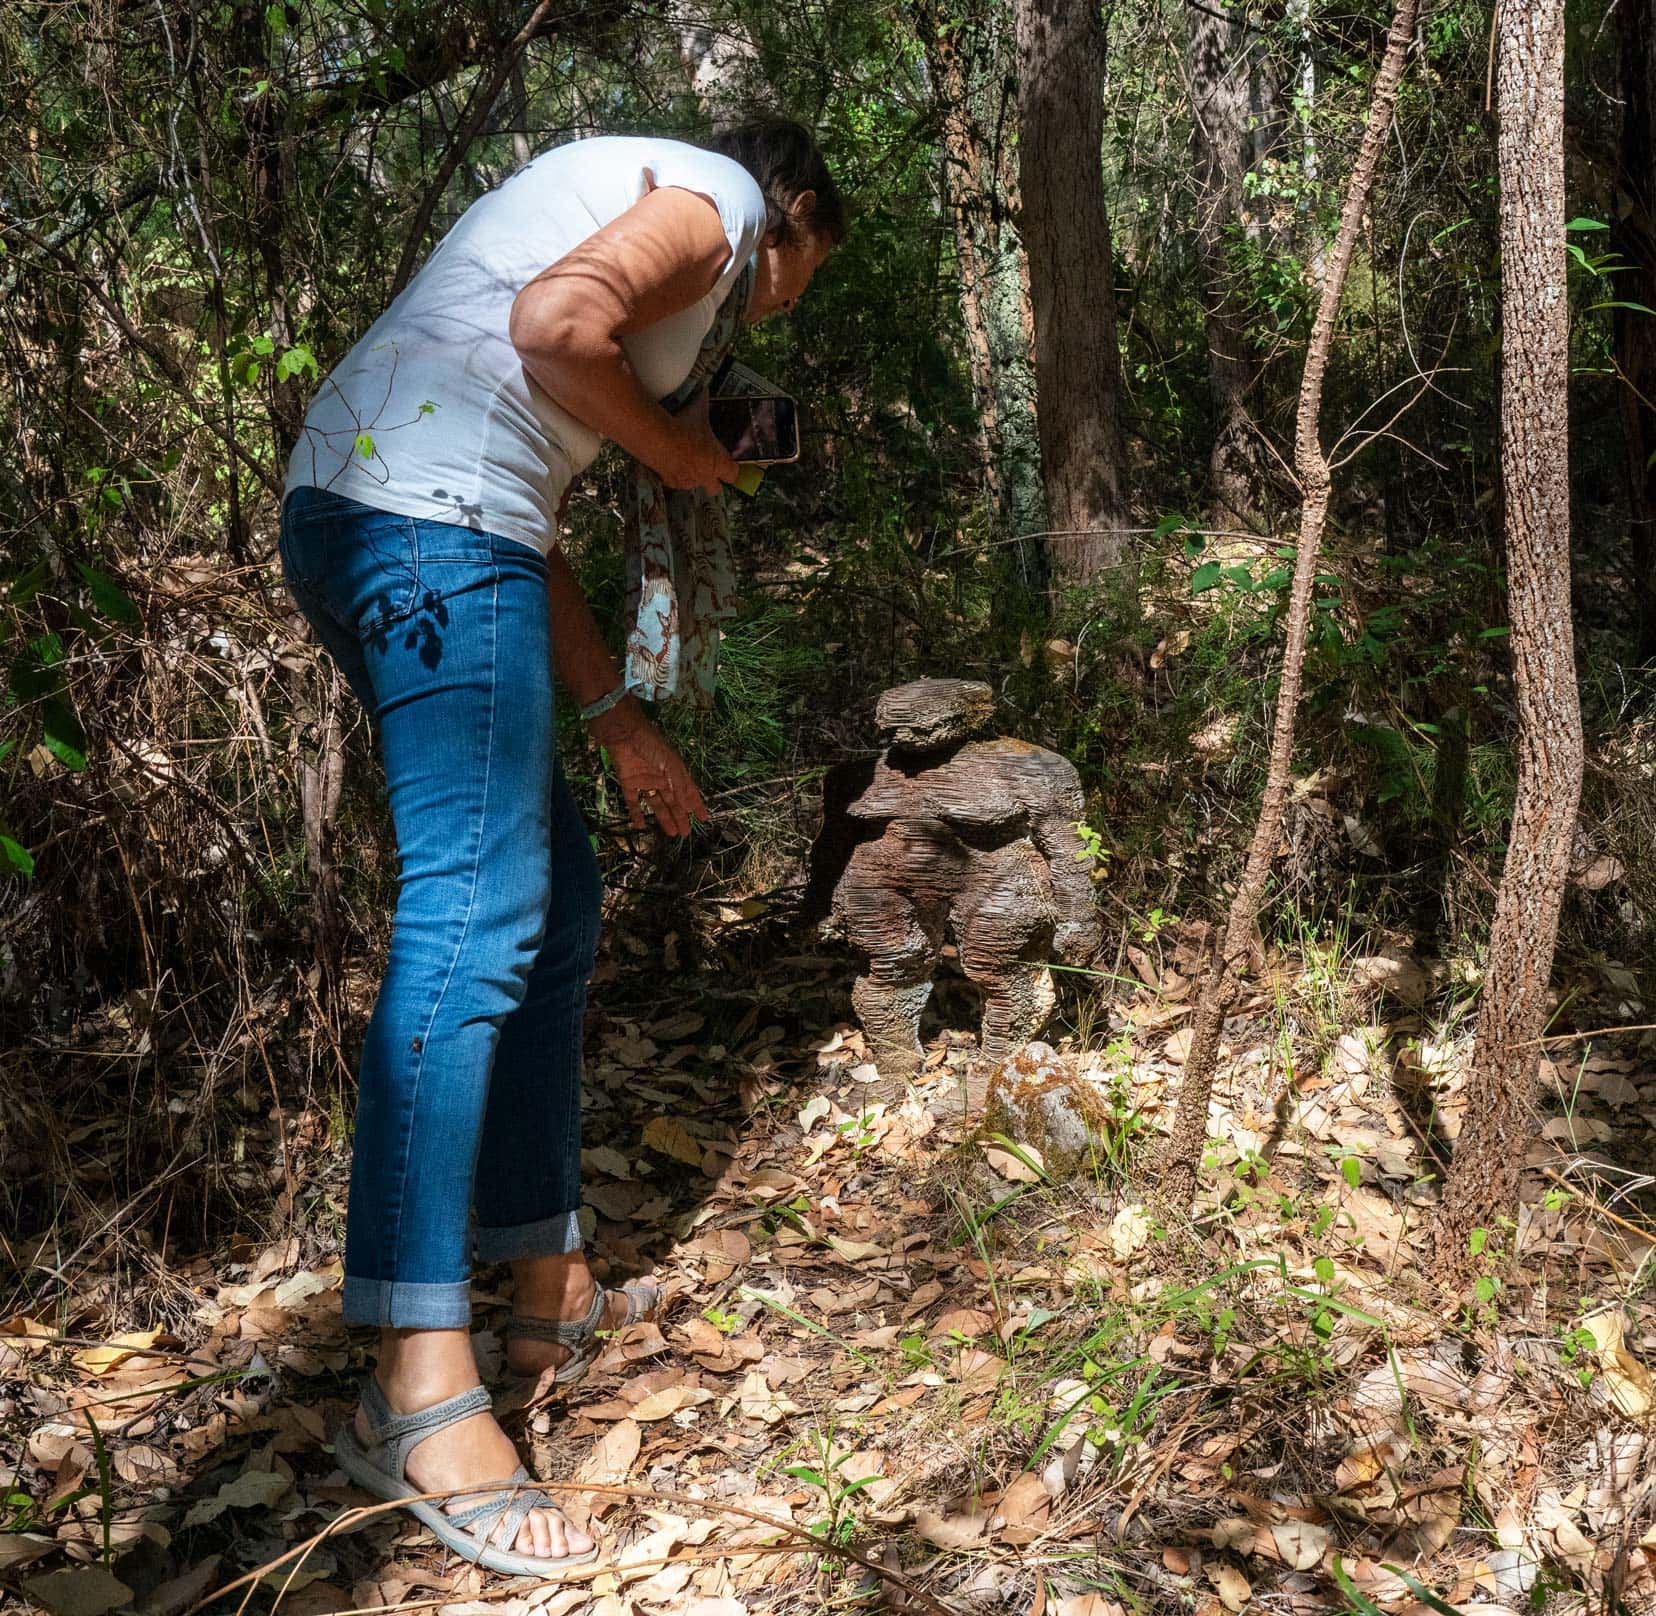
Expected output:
(953, 839)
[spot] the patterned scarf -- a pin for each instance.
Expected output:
(681, 584)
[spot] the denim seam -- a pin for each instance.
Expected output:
(398, 614)
(587, 944)
(465, 924)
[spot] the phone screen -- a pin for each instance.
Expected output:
(756, 429)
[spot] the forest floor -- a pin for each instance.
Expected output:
(894, 1340)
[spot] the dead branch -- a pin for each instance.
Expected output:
(1184, 1149)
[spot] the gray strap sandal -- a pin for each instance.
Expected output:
(580, 1336)
(482, 1533)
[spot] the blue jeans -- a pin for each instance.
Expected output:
(470, 1082)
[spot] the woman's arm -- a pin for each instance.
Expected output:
(579, 654)
(642, 760)
(663, 254)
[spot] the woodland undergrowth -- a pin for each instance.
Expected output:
(891, 1328)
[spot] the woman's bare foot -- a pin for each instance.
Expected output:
(559, 1288)
(420, 1367)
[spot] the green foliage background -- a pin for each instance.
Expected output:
(202, 207)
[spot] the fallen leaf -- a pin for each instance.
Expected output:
(79, 1591)
(27, 1335)
(1400, 975)
(1577, 1131)
(21, 1548)
(299, 1288)
(610, 1459)
(639, 1558)
(1432, 1520)
(977, 1371)
(679, 1026)
(1129, 1229)
(1368, 1460)
(617, 1202)
(771, 1184)
(761, 1402)
(812, 1112)
(1300, 1544)
(182, 1591)
(1605, 869)
(1376, 1582)
(1023, 1509)
(606, 1159)
(291, 1576)
(659, 1405)
(1233, 1588)
(101, 1359)
(1015, 1169)
(632, 1345)
(252, 1489)
(1573, 1545)
(143, 1465)
(1626, 1381)
(856, 1251)
(952, 1531)
(670, 1136)
(969, 1322)
(1514, 1573)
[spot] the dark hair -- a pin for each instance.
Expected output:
(784, 158)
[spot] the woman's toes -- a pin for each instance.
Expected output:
(566, 1540)
(536, 1532)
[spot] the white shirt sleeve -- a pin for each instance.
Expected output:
(729, 187)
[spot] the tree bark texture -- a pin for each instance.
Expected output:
(1535, 324)
(717, 60)
(1633, 235)
(1218, 61)
(1184, 1149)
(980, 194)
(1066, 231)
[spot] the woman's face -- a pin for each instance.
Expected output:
(784, 269)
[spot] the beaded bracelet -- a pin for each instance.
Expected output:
(597, 709)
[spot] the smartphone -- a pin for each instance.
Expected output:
(757, 431)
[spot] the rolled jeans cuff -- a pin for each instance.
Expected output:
(397, 1305)
(555, 1236)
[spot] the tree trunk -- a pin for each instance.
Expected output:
(1066, 230)
(1535, 324)
(1218, 58)
(981, 197)
(1305, 96)
(717, 58)
(1633, 235)
(1184, 1148)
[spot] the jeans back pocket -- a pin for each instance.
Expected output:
(360, 564)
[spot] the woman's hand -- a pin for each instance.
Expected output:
(694, 458)
(652, 776)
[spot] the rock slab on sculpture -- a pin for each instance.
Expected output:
(947, 839)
